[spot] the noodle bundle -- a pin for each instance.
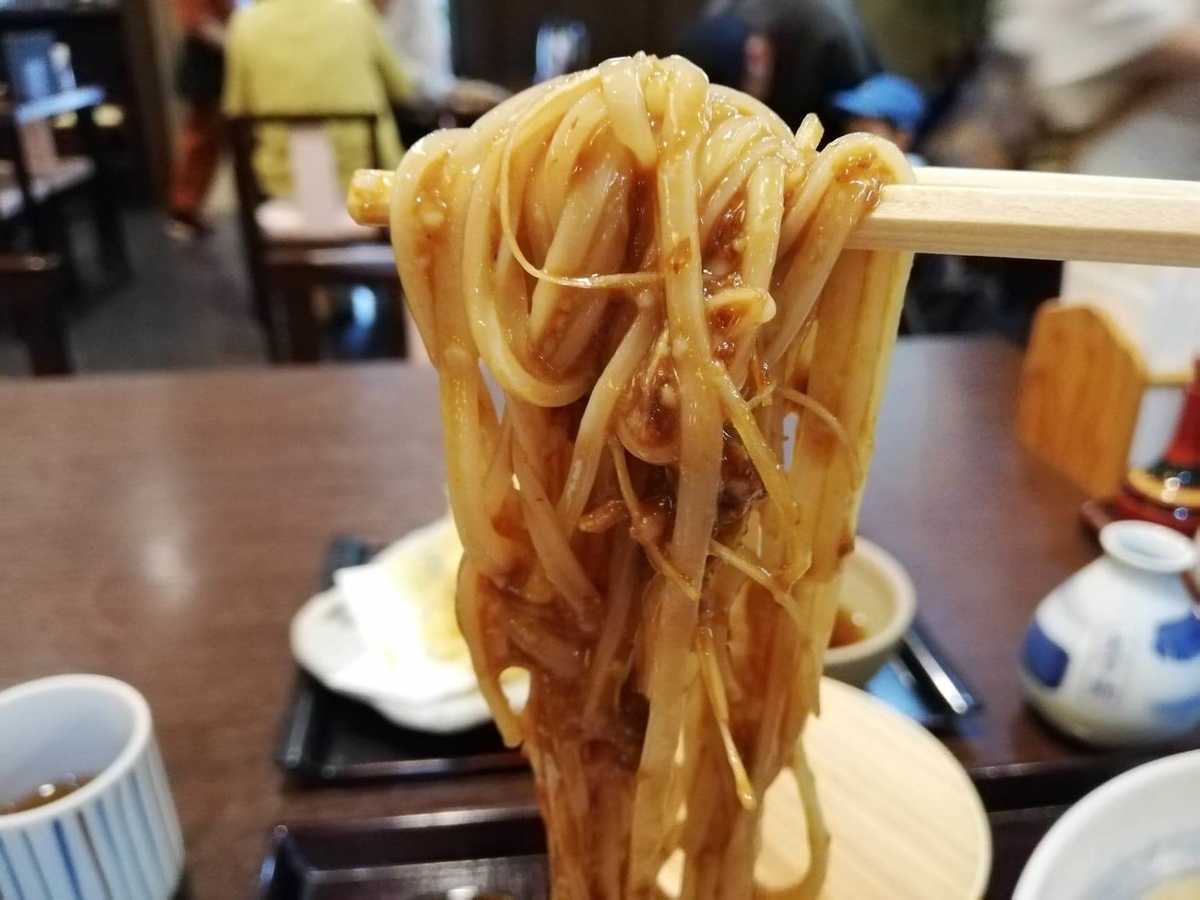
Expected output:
(652, 271)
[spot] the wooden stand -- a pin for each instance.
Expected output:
(1080, 397)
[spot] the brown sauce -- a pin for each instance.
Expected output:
(45, 795)
(847, 630)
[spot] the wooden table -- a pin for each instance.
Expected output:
(985, 530)
(164, 529)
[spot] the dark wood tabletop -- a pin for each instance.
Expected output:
(163, 530)
(985, 530)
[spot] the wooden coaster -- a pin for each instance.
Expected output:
(906, 820)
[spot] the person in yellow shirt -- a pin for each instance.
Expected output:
(308, 57)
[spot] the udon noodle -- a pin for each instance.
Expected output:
(651, 269)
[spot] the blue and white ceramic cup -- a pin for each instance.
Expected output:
(115, 838)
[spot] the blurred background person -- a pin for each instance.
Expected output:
(304, 57)
(934, 43)
(1120, 79)
(419, 32)
(200, 77)
(794, 55)
(1118, 85)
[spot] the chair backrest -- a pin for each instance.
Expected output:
(317, 194)
(1081, 393)
(260, 247)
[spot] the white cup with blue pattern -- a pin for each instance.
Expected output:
(116, 837)
(1112, 655)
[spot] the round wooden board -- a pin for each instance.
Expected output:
(907, 823)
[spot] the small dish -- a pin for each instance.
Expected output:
(385, 634)
(326, 644)
(1124, 841)
(879, 596)
(330, 738)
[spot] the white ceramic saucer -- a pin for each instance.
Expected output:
(327, 644)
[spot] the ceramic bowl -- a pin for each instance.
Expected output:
(1127, 840)
(878, 593)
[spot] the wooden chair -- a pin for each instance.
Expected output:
(1081, 393)
(295, 272)
(35, 182)
(285, 268)
(32, 288)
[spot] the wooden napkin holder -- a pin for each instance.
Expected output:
(1083, 383)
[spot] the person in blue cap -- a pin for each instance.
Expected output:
(886, 105)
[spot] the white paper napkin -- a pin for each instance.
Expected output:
(396, 661)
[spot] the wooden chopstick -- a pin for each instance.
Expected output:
(1033, 215)
(1177, 378)
(978, 212)
(1009, 179)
